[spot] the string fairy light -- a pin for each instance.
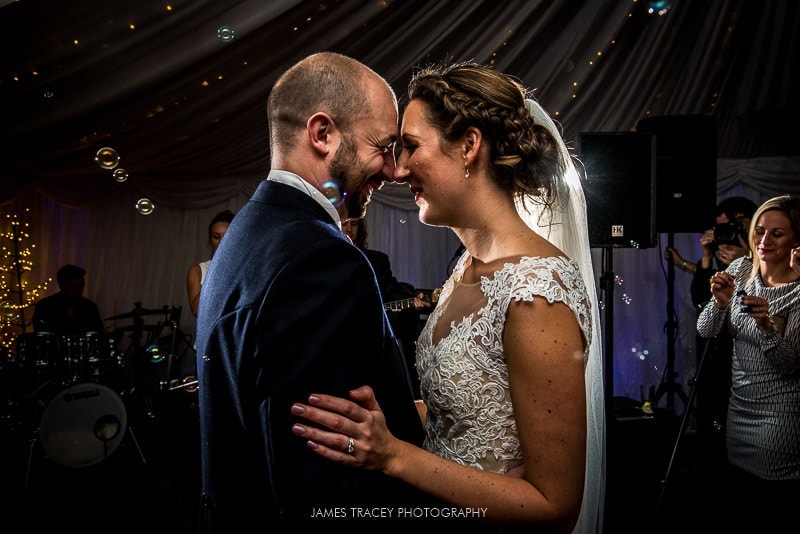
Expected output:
(17, 294)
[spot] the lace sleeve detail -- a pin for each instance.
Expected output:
(557, 279)
(464, 376)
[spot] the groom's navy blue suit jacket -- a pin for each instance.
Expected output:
(290, 307)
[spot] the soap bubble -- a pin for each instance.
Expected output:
(107, 158)
(332, 192)
(120, 175)
(189, 383)
(659, 7)
(145, 206)
(155, 354)
(226, 34)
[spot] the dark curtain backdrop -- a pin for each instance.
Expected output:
(184, 108)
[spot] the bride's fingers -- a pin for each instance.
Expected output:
(332, 445)
(339, 405)
(365, 396)
(323, 417)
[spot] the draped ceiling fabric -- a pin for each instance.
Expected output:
(185, 110)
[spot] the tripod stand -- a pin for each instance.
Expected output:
(690, 403)
(668, 386)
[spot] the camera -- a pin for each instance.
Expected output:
(728, 233)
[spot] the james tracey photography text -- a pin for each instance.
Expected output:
(399, 512)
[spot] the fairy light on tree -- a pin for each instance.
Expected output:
(16, 292)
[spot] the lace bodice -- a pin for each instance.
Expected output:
(461, 362)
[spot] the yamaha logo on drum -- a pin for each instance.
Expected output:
(78, 395)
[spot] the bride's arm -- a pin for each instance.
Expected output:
(544, 351)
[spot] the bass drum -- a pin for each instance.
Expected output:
(82, 425)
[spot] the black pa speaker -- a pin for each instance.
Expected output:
(686, 170)
(620, 179)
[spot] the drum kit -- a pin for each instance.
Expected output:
(72, 393)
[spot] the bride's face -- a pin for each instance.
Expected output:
(433, 170)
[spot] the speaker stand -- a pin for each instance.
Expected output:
(607, 284)
(669, 386)
(607, 279)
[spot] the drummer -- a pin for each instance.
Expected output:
(68, 311)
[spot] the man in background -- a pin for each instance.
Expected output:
(68, 311)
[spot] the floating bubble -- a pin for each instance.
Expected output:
(155, 354)
(107, 158)
(639, 352)
(226, 34)
(189, 384)
(332, 192)
(659, 7)
(120, 175)
(145, 206)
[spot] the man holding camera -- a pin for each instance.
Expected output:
(722, 244)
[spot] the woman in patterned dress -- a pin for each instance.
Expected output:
(758, 299)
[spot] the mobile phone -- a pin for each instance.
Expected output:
(742, 307)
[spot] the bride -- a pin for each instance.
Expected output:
(509, 360)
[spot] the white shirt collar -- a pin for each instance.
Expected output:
(290, 178)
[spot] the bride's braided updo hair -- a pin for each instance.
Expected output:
(525, 157)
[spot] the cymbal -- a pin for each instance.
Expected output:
(138, 312)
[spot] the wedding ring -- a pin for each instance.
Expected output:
(351, 446)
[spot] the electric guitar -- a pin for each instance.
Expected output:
(404, 304)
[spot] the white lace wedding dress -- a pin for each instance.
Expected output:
(461, 362)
